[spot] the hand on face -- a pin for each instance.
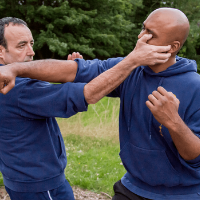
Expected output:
(145, 54)
(74, 56)
(164, 106)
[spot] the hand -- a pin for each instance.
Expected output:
(74, 56)
(7, 79)
(145, 54)
(164, 107)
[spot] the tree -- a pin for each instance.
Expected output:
(191, 8)
(99, 28)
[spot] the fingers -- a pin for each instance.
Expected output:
(146, 54)
(161, 95)
(69, 57)
(156, 96)
(74, 56)
(159, 49)
(163, 56)
(2, 85)
(145, 38)
(6, 88)
(152, 99)
(162, 49)
(149, 105)
(162, 91)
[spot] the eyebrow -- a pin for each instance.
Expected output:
(24, 42)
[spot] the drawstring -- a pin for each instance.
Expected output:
(151, 115)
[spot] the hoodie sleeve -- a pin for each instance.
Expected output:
(194, 125)
(89, 69)
(39, 99)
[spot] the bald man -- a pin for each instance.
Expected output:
(159, 122)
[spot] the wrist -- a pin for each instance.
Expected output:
(174, 125)
(16, 69)
(131, 61)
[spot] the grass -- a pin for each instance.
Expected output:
(93, 164)
(100, 121)
(1, 180)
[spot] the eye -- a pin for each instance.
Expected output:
(22, 46)
(143, 27)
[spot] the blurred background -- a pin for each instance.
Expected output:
(95, 28)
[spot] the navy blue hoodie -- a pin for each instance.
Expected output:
(154, 167)
(32, 150)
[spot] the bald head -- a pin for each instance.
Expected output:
(173, 22)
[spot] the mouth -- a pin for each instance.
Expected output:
(28, 60)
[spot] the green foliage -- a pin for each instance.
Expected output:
(99, 28)
(93, 163)
(1, 180)
(191, 8)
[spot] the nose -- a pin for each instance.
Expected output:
(30, 51)
(141, 34)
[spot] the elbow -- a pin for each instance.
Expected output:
(91, 100)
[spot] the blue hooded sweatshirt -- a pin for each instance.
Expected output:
(32, 150)
(154, 167)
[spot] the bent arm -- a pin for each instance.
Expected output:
(164, 106)
(186, 142)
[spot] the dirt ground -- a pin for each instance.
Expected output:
(79, 194)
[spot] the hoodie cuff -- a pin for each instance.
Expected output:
(195, 162)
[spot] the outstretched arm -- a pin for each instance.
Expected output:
(65, 71)
(164, 106)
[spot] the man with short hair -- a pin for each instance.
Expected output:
(32, 151)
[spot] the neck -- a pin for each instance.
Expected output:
(162, 67)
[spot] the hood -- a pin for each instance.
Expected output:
(182, 65)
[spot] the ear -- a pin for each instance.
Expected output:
(2, 49)
(175, 47)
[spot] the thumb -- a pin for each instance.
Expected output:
(145, 38)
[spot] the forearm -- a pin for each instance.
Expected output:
(47, 70)
(65, 71)
(108, 81)
(186, 142)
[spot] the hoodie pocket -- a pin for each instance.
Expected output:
(150, 166)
